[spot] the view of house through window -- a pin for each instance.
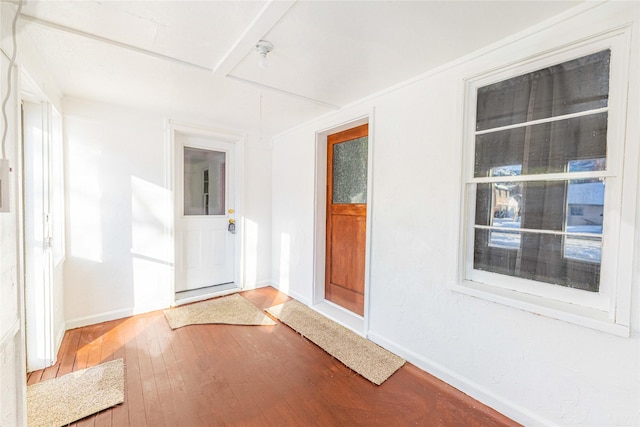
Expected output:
(540, 149)
(204, 181)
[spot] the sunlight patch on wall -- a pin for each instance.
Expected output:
(151, 284)
(151, 249)
(151, 220)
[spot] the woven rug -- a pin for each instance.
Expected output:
(357, 353)
(229, 310)
(63, 400)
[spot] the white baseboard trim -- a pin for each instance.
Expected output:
(99, 318)
(299, 297)
(306, 301)
(471, 388)
(258, 285)
(264, 284)
(292, 294)
(126, 312)
(79, 322)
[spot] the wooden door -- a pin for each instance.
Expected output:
(346, 218)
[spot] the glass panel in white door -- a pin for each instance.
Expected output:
(204, 181)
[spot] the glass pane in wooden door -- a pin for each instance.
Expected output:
(350, 171)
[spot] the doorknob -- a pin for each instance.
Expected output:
(232, 226)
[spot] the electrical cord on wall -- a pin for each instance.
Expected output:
(5, 120)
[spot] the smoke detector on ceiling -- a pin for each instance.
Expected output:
(263, 48)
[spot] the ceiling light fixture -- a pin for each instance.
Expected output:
(263, 47)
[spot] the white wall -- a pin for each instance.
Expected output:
(538, 370)
(12, 357)
(119, 212)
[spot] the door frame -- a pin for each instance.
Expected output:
(47, 302)
(40, 338)
(172, 127)
(339, 314)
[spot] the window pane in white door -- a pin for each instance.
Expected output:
(204, 181)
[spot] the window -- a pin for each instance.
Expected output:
(576, 210)
(204, 181)
(543, 183)
(560, 118)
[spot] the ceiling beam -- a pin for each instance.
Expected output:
(270, 14)
(111, 42)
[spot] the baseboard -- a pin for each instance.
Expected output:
(465, 385)
(126, 312)
(294, 295)
(306, 301)
(262, 284)
(99, 318)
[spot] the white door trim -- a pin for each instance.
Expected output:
(238, 139)
(339, 314)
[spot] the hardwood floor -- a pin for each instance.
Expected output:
(223, 375)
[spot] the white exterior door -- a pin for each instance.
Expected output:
(205, 242)
(38, 238)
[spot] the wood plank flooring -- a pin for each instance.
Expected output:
(223, 375)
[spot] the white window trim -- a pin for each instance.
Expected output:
(609, 309)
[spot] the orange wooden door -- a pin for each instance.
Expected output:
(346, 218)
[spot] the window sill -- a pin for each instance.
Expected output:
(582, 316)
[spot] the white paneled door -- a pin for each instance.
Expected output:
(205, 220)
(38, 236)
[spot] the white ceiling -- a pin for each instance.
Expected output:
(196, 58)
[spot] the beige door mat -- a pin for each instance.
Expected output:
(363, 356)
(63, 400)
(230, 310)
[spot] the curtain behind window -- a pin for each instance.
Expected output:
(575, 86)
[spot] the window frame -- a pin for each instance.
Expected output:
(609, 309)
